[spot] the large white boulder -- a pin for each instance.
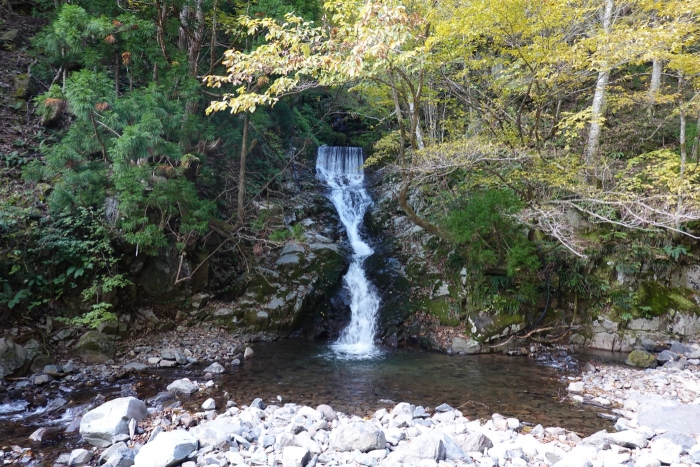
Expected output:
(361, 436)
(100, 425)
(167, 449)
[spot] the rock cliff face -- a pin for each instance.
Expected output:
(409, 271)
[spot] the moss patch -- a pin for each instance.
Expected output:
(653, 299)
(441, 309)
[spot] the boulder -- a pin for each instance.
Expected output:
(79, 457)
(475, 442)
(361, 436)
(217, 432)
(95, 347)
(183, 386)
(12, 356)
(465, 345)
(167, 449)
(215, 368)
(641, 359)
(294, 456)
(121, 456)
(427, 446)
(327, 412)
(99, 426)
(666, 451)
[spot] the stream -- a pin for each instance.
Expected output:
(309, 373)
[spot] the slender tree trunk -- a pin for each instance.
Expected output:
(654, 85)
(116, 75)
(240, 212)
(683, 151)
(696, 142)
(592, 153)
(213, 38)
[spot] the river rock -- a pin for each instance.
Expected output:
(12, 356)
(167, 449)
(327, 412)
(79, 457)
(95, 347)
(209, 404)
(361, 436)
(427, 446)
(660, 414)
(684, 441)
(666, 451)
(666, 356)
(44, 434)
(295, 456)
(122, 456)
(465, 345)
(183, 386)
(218, 431)
(248, 353)
(475, 442)
(629, 439)
(641, 359)
(99, 426)
(215, 368)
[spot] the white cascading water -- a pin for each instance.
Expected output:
(341, 169)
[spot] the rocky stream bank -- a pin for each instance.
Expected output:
(195, 423)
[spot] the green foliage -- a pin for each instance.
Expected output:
(280, 235)
(52, 257)
(501, 261)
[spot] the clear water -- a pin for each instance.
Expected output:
(341, 169)
(312, 374)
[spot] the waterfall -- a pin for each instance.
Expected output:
(341, 169)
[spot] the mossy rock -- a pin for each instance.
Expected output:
(654, 299)
(485, 327)
(441, 309)
(641, 359)
(95, 347)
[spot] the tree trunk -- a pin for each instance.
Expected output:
(116, 75)
(654, 85)
(684, 153)
(592, 153)
(240, 211)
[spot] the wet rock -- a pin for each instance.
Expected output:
(641, 359)
(40, 380)
(183, 386)
(215, 368)
(12, 356)
(99, 426)
(361, 436)
(666, 356)
(135, 366)
(79, 457)
(463, 345)
(45, 434)
(248, 353)
(95, 347)
(167, 449)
